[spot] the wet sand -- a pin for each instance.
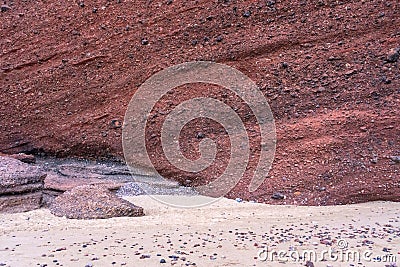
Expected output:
(226, 233)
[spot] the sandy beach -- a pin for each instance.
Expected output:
(225, 233)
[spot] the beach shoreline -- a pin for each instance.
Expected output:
(225, 233)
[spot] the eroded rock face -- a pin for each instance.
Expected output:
(331, 80)
(65, 174)
(20, 185)
(92, 202)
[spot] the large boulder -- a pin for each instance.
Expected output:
(20, 185)
(92, 202)
(56, 184)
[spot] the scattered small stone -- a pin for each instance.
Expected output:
(238, 199)
(169, 2)
(145, 256)
(285, 65)
(309, 264)
(163, 261)
(81, 4)
(219, 39)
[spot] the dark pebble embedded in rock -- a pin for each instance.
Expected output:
(247, 14)
(200, 135)
(145, 41)
(385, 80)
(5, 8)
(395, 159)
(393, 55)
(278, 195)
(115, 123)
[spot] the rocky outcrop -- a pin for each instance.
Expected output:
(21, 157)
(92, 202)
(65, 174)
(329, 70)
(20, 185)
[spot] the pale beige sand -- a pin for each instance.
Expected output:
(234, 231)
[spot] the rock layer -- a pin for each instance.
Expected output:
(329, 70)
(92, 202)
(20, 185)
